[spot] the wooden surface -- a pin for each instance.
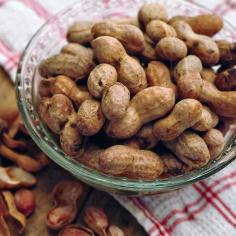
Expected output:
(48, 178)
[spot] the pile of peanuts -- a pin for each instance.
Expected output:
(138, 98)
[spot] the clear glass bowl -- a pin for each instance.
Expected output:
(47, 41)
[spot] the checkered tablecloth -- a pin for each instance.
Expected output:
(207, 208)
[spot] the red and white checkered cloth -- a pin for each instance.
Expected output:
(207, 208)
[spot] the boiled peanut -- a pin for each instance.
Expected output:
(144, 139)
(208, 74)
(147, 105)
(90, 118)
(71, 139)
(158, 74)
(207, 24)
(125, 161)
(101, 77)
(171, 49)
(149, 53)
(63, 85)
(157, 29)
(222, 103)
(226, 80)
(55, 111)
(184, 115)
(190, 148)
(215, 142)
(115, 101)
(188, 78)
(207, 121)
(74, 67)
(200, 45)
(152, 11)
(129, 35)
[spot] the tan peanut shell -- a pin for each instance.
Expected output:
(144, 139)
(70, 138)
(184, 115)
(226, 80)
(188, 78)
(132, 74)
(80, 32)
(227, 52)
(147, 105)
(208, 74)
(172, 165)
(158, 74)
(200, 45)
(157, 29)
(90, 118)
(222, 103)
(190, 148)
(149, 53)
(129, 35)
(65, 64)
(55, 111)
(207, 121)
(63, 85)
(115, 101)
(108, 50)
(152, 11)
(76, 49)
(100, 78)
(125, 161)
(171, 49)
(207, 24)
(215, 142)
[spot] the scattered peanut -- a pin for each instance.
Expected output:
(14, 177)
(96, 219)
(76, 230)
(65, 197)
(149, 53)
(114, 230)
(25, 201)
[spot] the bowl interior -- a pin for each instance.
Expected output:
(48, 41)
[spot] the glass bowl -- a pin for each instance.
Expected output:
(47, 41)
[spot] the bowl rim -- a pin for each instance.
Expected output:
(93, 177)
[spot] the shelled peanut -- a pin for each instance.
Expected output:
(142, 85)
